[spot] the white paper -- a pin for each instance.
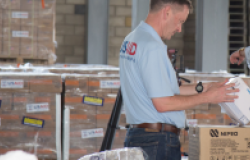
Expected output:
(20, 15)
(110, 84)
(37, 107)
(239, 110)
(12, 83)
(20, 33)
(90, 133)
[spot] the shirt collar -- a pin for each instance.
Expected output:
(152, 31)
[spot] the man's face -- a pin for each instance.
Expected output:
(174, 21)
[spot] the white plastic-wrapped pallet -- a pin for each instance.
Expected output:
(119, 154)
(20, 155)
(239, 110)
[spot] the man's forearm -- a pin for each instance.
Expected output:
(188, 89)
(180, 102)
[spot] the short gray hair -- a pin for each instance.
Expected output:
(156, 5)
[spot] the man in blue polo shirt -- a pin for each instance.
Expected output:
(153, 101)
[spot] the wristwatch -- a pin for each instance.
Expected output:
(242, 49)
(199, 87)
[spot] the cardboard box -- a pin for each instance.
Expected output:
(102, 84)
(10, 18)
(29, 18)
(1, 16)
(14, 4)
(45, 49)
(79, 117)
(45, 34)
(11, 49)
(190, 113)
(76, 83)
(202, 107)
(109, 101)
(48, 5)
(6, 101)
(46, 19)
(103, 118)
(45, 83)
(213, 142)
(30, 5)
(211, 77)
(32, 33)
(44, 142)
(14, 83)
(74, 101)
(11, 34)
(28, 48)
(45, 103)
(11, 40)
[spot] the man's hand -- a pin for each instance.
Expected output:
(206, 86)
(219, 93)
(237, 57)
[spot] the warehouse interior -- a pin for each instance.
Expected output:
(60, 93)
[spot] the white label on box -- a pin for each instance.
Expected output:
(37, 107)
(110, 84)
(20, 15)
(12, 83)
(90, 133)
(20, 33)
(192, 122)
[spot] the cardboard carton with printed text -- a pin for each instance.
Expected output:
(219, 142)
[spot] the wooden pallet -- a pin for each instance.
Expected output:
(22, 60)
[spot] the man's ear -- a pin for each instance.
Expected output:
(166, 11)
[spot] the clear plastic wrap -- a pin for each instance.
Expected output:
(88, 106)
(91, 83)
(31, 122)
(30, 82)
(27, 30)
(61, 69)
(118, 154)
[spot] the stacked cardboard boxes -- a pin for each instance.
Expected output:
(27, 28)
(30, 114)
(89, 100)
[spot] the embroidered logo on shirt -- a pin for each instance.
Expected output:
(129, 48)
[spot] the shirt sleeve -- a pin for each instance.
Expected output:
(156, 72)
(247, 54)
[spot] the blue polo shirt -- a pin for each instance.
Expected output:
(247, 53)
(146, 72)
